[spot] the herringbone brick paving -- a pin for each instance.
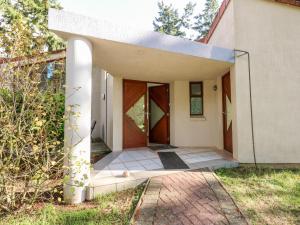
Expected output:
(187, 198)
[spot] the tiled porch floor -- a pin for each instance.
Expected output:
(145, 159)
(143, 163)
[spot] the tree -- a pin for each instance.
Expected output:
(204, 20)
(33, 13)
(170, 22)
(186, 18)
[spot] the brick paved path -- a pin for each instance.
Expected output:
(193, 197)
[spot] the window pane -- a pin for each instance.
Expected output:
(136, 113)
(156, 113)
(196, 106)
(196, 89)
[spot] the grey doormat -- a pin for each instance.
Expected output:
(161, 147)
(171, 160)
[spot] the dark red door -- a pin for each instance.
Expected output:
(134, 114)
(159, 114)
(227, 112)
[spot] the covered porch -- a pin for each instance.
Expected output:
(101, 60)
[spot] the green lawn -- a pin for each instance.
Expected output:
(115, 208)
(266, 195)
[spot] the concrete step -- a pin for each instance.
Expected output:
(93, 191)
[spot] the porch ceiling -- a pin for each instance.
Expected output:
(143, 55)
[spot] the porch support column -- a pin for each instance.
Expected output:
(78, 126)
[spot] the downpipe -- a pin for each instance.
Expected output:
(240, 53)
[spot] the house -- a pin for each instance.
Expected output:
(238, 91)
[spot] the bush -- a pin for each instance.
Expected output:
(31, 145)
(32, 128)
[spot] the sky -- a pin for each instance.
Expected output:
(135, 13)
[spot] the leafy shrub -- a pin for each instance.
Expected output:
(32, 127)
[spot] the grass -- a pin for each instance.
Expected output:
(116, 208)
(265, 195)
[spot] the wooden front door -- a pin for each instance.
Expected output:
(134, 114)
(227, 112)
(159, 114)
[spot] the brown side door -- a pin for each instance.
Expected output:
(227, 112)
(159, 114)
(134, 114)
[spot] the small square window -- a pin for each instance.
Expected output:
(196, 98)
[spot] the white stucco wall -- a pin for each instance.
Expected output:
(103, 97)
(270, 31)
(109, 99)
(114, 113)
(224, 34)
(272, 39)
(117, 114)
(184, 130)
(276, 88)
(172, 114)
(220, 142)
(189, 131)
(96, 101)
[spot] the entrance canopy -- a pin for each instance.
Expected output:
(143, 55)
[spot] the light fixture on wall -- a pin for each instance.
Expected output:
(215, 87)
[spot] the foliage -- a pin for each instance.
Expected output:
(32, 123)
(186, 18)
(34, 14)
(170, 22)
(114, 208)
(265, 195)
(204, 20)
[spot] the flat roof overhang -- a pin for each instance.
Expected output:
(143, 55)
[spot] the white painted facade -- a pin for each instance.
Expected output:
(190, 131)
(118, 53)
(107, 108)
(270, 32)
(185, 131)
